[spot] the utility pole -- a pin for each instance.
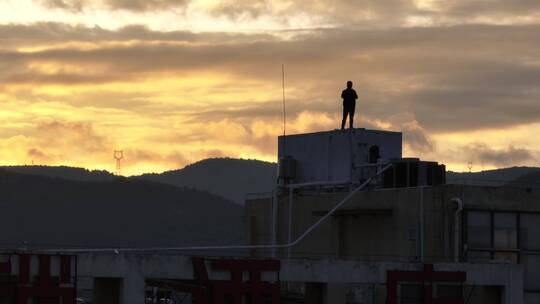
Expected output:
(118, 155)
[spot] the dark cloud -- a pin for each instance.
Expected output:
(133, 157)
(35, 154)
(131, 5)
(144, 5)
(71, 136)
(344, 13)
(469, 9)
(450, 78)
(72, 5)
(414, 135)
(510, 156)
(53, 33)
(366, 11)
(379, 13)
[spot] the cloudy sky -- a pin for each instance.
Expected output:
(174, 81)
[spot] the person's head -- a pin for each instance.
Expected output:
(349, 84)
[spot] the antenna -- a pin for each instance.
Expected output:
(118, 155)
(284, 113)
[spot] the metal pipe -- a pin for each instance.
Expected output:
(459, 203)
(320, 183)
(275, 202)
(421, 215)
(289, 230)
(226, 247)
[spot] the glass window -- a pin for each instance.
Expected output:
(478, 256)
(505, 230)
(531, 298)
(449, 292)
(531, 267)
(412, 294)
(530, 231)
(478, 229)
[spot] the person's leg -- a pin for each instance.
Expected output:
(345, 112)
(351, 116)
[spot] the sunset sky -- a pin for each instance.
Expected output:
(174, 81)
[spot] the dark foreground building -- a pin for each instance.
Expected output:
(350, 221)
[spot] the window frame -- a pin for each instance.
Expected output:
(519, 251)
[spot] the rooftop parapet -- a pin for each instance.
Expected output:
(336, 156)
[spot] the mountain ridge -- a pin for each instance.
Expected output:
(44, 211)
(233, 178)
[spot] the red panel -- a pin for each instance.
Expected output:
(8, 290)
(236, 288)
(5, 267)
(199, 270)
(44, 270)
(45, 291)
(24, 269)
(426, 277)
(65, 269)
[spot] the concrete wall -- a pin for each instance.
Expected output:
(407, 224)
(335, 276)
(386, 225)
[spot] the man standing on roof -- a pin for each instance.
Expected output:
(349, 102)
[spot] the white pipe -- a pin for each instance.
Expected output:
(319, 183)
(459, 203)
(289, 230)
(275, 201)
(226, 247)
(421, 215)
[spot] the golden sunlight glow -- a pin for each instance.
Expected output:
(100, 84)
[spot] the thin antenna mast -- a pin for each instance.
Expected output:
(284, 113)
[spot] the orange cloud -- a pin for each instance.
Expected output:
(171, 98)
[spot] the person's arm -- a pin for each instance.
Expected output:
(343, 94)
(355, 96)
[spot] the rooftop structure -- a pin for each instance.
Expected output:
(360, 200)
(336, 156)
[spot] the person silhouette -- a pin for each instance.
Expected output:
(349, 103)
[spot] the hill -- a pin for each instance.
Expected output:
(529, 180)
(228, 177)
(71, 173)
(52, 212)
(234, 178)
(497, 177)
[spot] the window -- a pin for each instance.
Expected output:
(504, 236)
(479, 229)
(449, 291)
(374, 154)
(492, 236)
(531, 275)
(478, 236)
(411, 294)
(530, 231)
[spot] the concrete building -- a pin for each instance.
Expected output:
(422, 222)
(350, 222)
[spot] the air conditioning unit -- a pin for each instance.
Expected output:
(412, 172)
